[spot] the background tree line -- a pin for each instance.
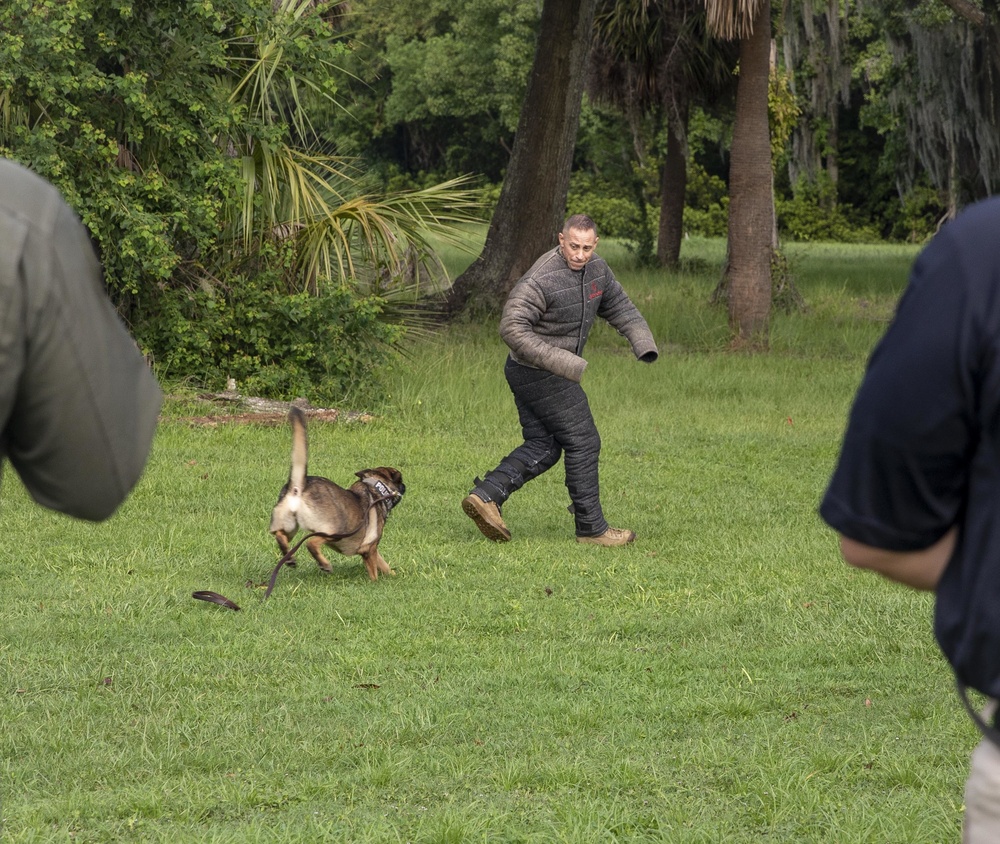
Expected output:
(264, 176)
(892, 121)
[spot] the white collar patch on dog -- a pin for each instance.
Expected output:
(390, 495)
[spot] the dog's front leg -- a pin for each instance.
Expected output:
(374, 563)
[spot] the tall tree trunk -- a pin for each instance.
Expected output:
(532, 203)
(833, 153)
(751, 206)
(673, 188)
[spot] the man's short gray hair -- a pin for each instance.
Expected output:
(580, 221)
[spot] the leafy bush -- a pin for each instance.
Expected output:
(183, 135)
(813, 214)
(921, 213)
(706, 212)
(613, 211)
(274, 343)
(118, 108)
(488, 197)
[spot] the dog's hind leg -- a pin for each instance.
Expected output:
(315, 546)
(284, 543)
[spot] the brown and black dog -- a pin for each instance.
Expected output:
(350, 520)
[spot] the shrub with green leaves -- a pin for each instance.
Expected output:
(922, 210)
(184, 136)
(706, 212)
(814, 214)
(328, 348)
(118, 107)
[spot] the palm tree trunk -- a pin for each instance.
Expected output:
(751, 206)
(673, 188)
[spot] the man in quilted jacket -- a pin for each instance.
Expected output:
(545, 323)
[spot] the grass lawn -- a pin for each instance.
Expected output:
(725, 679)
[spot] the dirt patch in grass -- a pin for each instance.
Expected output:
(230, 408)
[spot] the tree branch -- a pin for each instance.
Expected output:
(967, 11)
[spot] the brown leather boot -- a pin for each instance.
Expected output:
(611, 538)
(486, 515)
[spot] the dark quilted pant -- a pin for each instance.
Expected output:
(555, 421)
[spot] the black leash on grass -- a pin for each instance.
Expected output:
(223, 601)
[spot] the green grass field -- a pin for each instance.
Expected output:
(725, 679)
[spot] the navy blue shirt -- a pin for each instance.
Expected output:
(922, 448)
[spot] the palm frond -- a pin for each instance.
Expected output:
(366, 237)
(267, 80)
(731, 20)
(319, 204)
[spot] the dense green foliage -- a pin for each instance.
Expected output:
(329, 348)
(432, 106)
(186, 138)
(812, 213)
(119, 104)
(436, 85)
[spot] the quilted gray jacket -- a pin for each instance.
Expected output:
(552, 308)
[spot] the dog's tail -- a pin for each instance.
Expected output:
(300, 451)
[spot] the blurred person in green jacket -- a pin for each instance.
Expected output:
(78, 403)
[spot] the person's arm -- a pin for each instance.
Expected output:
(620, 312)
(920, 569)
(80, 405)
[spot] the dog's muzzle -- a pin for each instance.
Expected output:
(390, 497)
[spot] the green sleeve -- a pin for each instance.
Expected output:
(78, 403)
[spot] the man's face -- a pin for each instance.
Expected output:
(577, 246)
